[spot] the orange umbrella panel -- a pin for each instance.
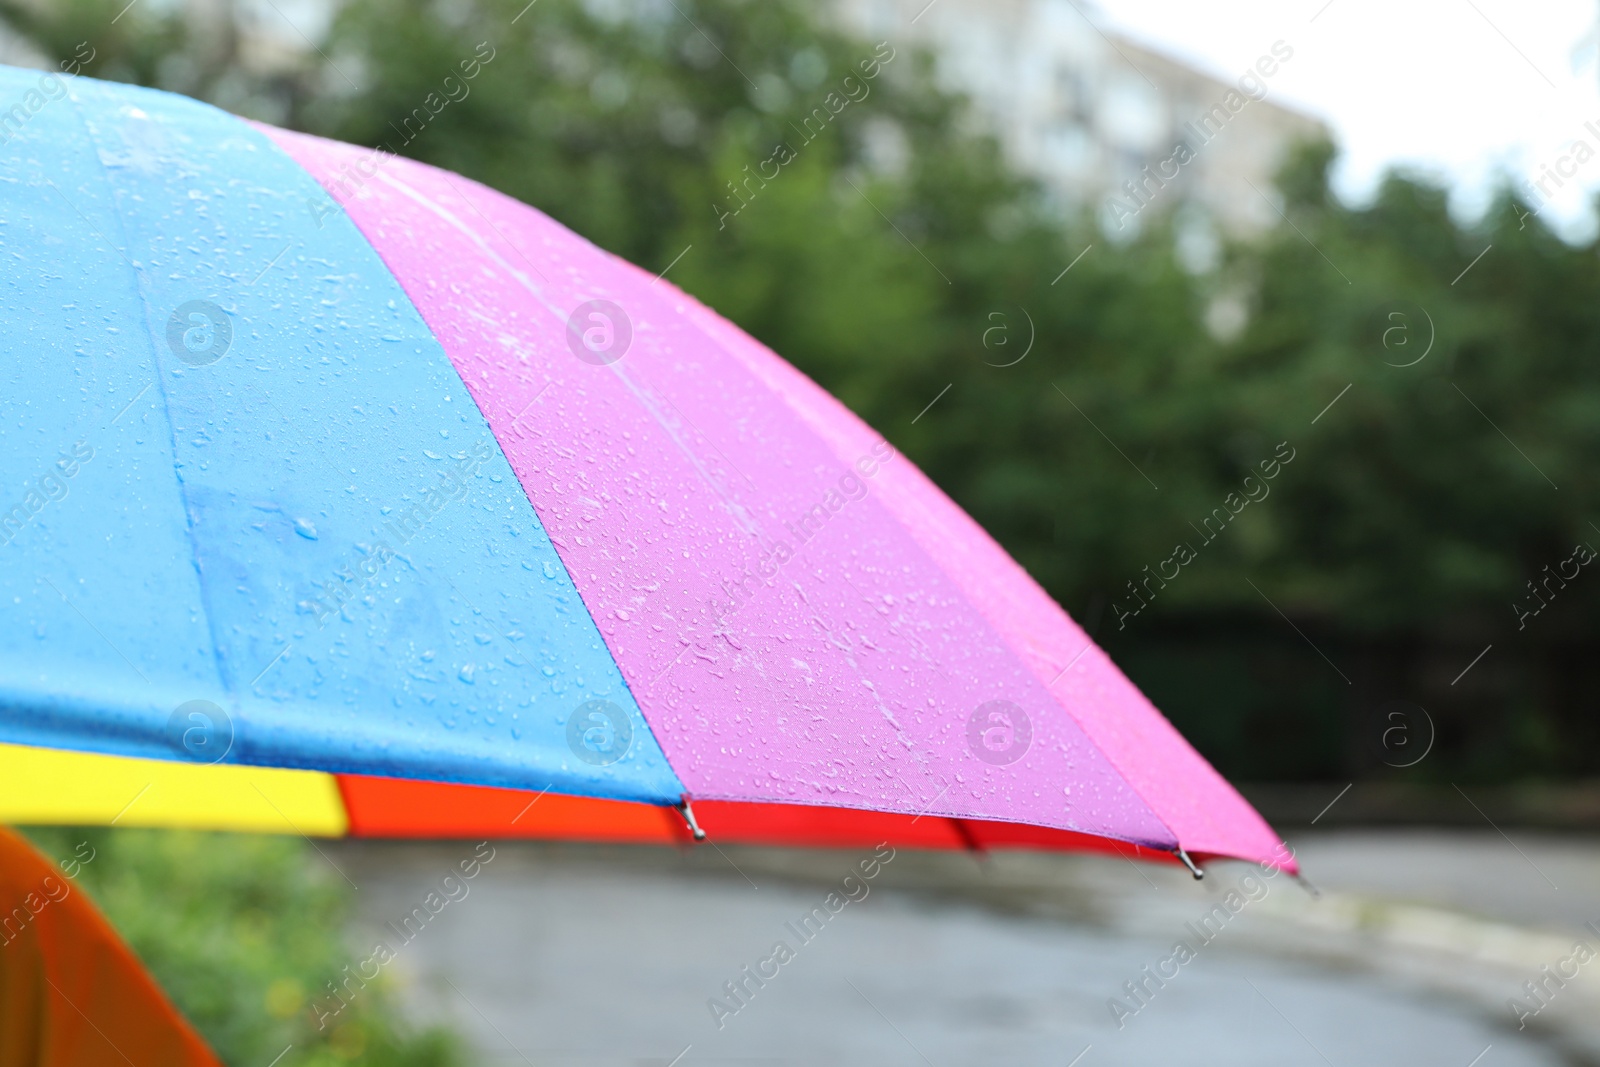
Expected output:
(72, 994)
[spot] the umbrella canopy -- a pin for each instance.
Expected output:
(324, 459)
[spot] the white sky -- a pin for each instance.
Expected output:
(1432, 84)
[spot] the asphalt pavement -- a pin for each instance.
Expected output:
(561, 954)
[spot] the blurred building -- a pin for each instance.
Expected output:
(1087, 111)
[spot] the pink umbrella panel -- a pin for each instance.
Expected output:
(797, 623)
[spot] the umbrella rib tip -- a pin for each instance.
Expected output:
(683, 808)
(1189, 863)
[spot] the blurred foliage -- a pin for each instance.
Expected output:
(883, 259)
(242, 931)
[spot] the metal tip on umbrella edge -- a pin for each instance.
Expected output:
(687, 812)
(1305, 883)
(973, 846)
(1189, 863)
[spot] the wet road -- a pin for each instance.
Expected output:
(560, 954)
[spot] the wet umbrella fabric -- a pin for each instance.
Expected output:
(331, 461)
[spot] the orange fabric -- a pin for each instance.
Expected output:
(396, 807)
(71, 993)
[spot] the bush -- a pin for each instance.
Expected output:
(242, 931)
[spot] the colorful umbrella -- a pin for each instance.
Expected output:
(323, 459)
